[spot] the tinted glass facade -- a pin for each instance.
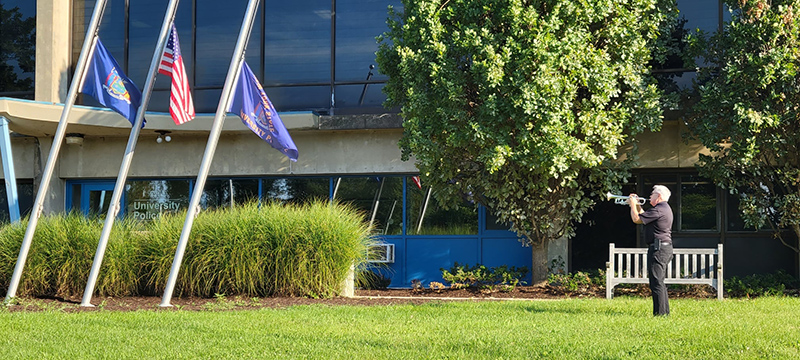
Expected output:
(316, 55)
(17, 48)
(25, 197)
(385, 201)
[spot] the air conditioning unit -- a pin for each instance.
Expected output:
(381, 253)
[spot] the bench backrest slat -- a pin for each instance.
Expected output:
(705, 274)
(628, 265)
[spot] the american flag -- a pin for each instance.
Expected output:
(416, 181)
(181, 106)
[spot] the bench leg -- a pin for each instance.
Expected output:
(609, 283)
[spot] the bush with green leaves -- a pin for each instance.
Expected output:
(577, 282)
(744, 111)
(525, 103)
(774, 284)
(503, 278)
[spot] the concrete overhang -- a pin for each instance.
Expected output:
(39, 119)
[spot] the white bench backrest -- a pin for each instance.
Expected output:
(688, 266)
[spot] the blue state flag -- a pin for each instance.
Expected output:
(251, 103)
(106, 82)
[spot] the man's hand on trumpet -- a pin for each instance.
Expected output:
(636, 207)
(633, 200)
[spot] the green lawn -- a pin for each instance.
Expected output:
(581, 329)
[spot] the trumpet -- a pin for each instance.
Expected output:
(623, 200)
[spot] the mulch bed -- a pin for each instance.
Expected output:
(362, 298)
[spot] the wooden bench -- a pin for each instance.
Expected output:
(688, 266)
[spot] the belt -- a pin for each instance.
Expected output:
(663, 243)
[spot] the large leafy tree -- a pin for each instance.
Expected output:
(523, 103)
(748, 112)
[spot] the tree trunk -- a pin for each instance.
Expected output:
(539, 271)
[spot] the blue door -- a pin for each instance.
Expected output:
(94, 197)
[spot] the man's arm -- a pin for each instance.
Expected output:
(636, 209)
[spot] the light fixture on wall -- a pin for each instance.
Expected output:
(74, 139)
(163, 136)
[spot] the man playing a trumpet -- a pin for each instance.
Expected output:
(657, 223)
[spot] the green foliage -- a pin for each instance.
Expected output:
(746, 111)
(267, 249)
(371, 280)
(61, 255)
(761, 285)
(272, 249)
(578, 282)
(557, 266)
(524, 104)
(502, 278)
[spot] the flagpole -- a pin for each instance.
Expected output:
(211, 146)
(424, 208)
(377, 202)
(86, 52)
(124, 168)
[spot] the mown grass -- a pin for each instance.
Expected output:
(252, 249)
(565, 329)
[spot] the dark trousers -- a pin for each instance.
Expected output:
(657, 261)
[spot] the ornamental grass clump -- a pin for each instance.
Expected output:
(251, 249)
(61, 254)
(261, 250)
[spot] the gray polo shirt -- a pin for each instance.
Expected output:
(657, 223)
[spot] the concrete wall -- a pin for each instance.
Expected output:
(53, 35)
(239, 154)
(26, 157)
(322, 152)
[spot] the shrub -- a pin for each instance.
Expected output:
(252, 249)
(263, 250)
(502, 278)
(61, 254)
(761, 285)
(579, 282)
(371, 280)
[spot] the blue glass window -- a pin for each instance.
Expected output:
(427, 217)
(218, 25)
(290, 49)
(350, 96)
(702, 15)
(288, 98)
(379, 198)
(112, 31)
(295, 190)
(145, 24)
(228, 192)
(297, 45)
(148, 199)
(358, 24)
(19, 54)
(25, 197)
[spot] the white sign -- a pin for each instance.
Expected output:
(151, 209)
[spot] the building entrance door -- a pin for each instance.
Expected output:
(96, 198)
